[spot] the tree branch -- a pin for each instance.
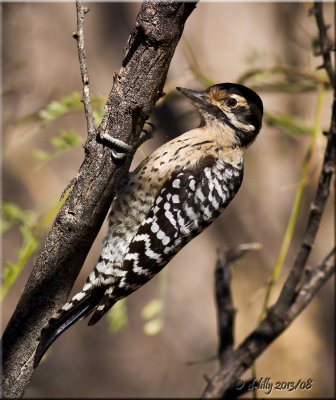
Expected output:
(86, 99)
(312, 283)
(293, 298)
(317, 207)
(324, 43)
(136, 88)
(225, 309)
(270, 328)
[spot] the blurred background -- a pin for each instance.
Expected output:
(157, 344)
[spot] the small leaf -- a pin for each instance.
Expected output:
(9, 267)
(57, 108)
(52, 111)
(26, 232)
(12, 270)
(152, 308)
(41, 155)
(32, 226)
(118, 316)
(58, 142)
(289, 124)
(11, 214)
(66, 140)
(153, 327)
(46, 115)
(71, 138)
(72, 100)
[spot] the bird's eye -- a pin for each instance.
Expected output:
(231, 102)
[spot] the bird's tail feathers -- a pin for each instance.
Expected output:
(66, 317)
(103, 307)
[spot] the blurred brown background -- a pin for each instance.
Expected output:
(40, 64)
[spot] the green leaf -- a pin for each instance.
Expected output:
(41, 155)
(53, 111)
(153, 327)
(152, 308)
(57, 108)
(289, 124)
(31, 228)
(72, 100)
(71, 138)
(59, 143)
(66, 140)
(12, 270)
(12, 213)
(118, 316)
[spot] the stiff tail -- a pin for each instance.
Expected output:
(66, 318)
(101, 310)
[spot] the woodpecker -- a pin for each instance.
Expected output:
(171, 197)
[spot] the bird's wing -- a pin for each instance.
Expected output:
(187, 202)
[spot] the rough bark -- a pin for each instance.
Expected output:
(136, 88)
(225, 383)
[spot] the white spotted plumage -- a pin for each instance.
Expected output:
(171, 197)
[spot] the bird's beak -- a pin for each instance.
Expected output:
(199, 98)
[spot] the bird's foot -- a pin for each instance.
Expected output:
(124, 148)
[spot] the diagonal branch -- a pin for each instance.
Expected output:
(136, 88)
(271, 327)
(293, 297)
(314, 280)
(317, 207)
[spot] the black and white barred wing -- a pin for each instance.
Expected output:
(186, 204)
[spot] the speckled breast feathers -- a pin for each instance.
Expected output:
(172, 196)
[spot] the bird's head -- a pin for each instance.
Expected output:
(230, 105)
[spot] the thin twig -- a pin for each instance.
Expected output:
(291, 300)
(86, 99)
(325, 46)
(287, 239)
